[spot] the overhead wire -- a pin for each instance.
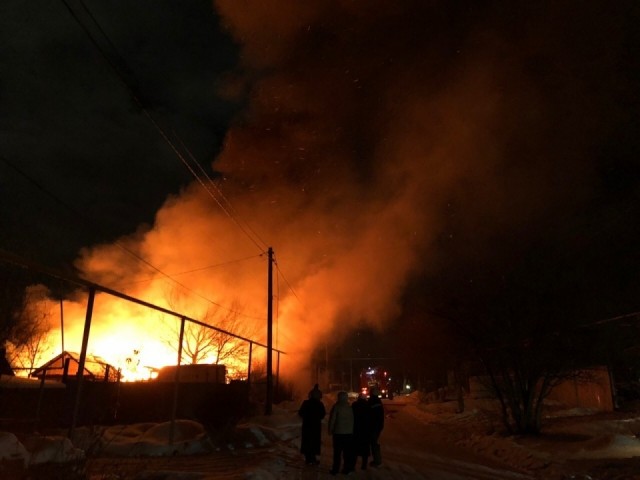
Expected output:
(96, 227)
(198, 178)
(136, 97)
(231, 212)
(614, 319)
(275, 261)
(134, 92)
(202, 182)
(186, 272)
(207, 183)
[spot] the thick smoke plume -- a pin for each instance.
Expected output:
(368, 126)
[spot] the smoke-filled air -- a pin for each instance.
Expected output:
(367, 125)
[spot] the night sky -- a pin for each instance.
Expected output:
(400, 156)
(72, 119)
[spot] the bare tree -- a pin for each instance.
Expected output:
(519, 323)
(522, 370)
(12, 300)
(216, 341)
(28, 342)
(525, 348)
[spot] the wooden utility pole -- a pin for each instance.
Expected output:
(269, 402)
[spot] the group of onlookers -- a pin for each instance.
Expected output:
(355, 429)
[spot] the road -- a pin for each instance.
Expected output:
(411, 449)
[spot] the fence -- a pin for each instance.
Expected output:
(83, 402)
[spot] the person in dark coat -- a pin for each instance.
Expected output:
(376, 410)
(361, 429)
(312, 412)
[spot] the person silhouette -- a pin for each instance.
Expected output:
(312, 412)
(361, 429)
(376, 411)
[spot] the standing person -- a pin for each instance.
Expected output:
(341, 429)
(312, 412)
(376, 410)
(361, 430)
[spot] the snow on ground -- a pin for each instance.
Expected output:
(572, 441)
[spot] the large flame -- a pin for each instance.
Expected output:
(138, 339)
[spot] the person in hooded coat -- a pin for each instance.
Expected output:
(312, 412)
(341, 429)
(361, 429)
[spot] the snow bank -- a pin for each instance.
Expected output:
(37, 450)
(51, 449)
(568, 434)
(11, 449)
(282, 425)
(153, 439)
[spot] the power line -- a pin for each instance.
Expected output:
(207, 183)
(233, 213)
(615, 319)
(186, 272)
(134, 92)
(10, 258)
(286, 281)
(196, 176)
(94, 226)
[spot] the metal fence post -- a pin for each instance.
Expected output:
(81, 361)
(40, 395)
(176, 383)
(249, 364)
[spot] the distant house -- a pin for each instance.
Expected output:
(66, 364)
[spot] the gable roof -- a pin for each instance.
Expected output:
(95, 368)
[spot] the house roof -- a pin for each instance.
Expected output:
(95, 367)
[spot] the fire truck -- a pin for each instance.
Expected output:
(376, 377)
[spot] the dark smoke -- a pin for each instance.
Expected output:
(385, 140)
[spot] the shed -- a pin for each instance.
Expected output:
(95, 368)
(194, 373)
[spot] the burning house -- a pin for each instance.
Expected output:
(67, 364)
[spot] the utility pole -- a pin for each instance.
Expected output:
(269, 403)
